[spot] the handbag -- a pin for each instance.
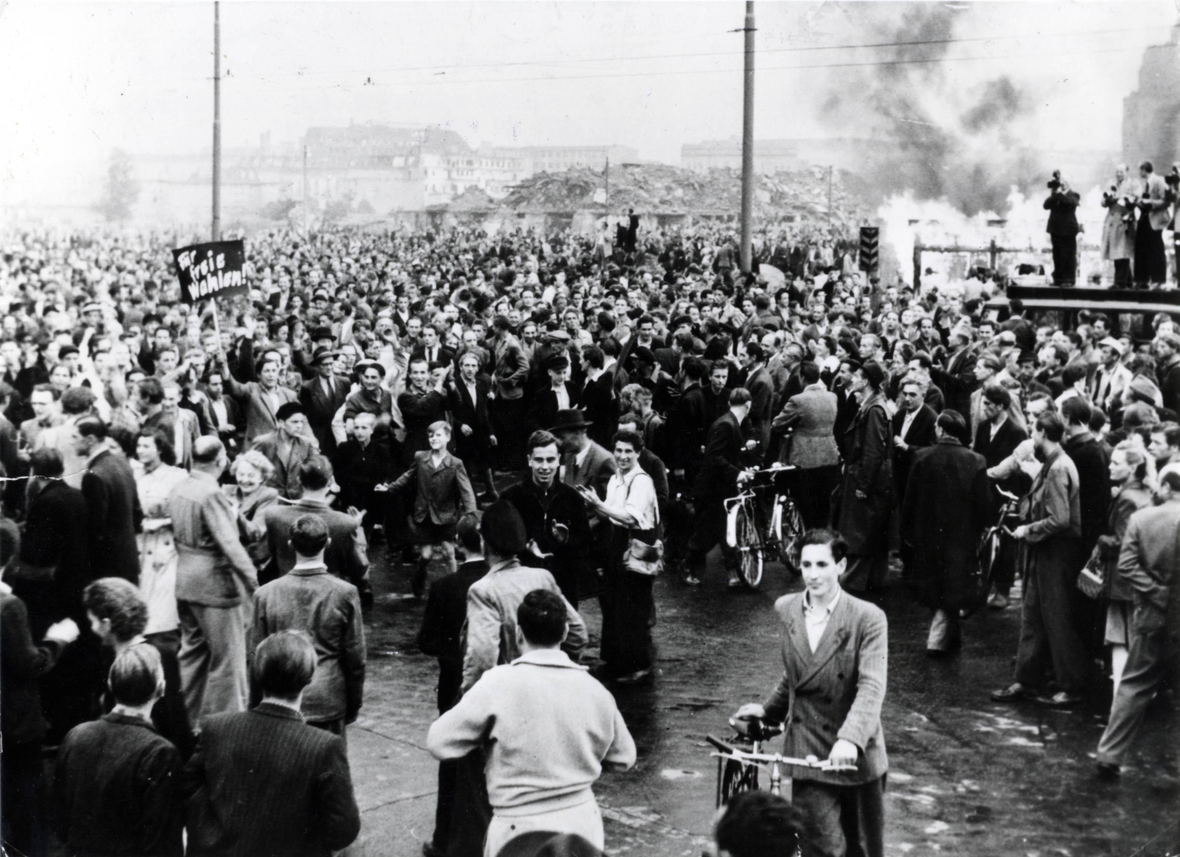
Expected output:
(641, 557)
(1092, 577)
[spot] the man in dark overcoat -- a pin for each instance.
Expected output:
(944, 512)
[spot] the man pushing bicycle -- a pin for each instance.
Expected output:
(835, 658)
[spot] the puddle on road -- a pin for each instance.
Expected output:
(677, 774)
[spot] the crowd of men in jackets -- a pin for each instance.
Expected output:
(193, 492)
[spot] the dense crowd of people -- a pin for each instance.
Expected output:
(191, 494)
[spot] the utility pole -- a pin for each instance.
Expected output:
(830, 171)
(606, 177)
(216, 121)
(748, 143)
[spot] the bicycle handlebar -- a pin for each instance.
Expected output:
(1007, 494)
(742, 756)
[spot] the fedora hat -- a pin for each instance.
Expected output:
(571, 419)
(322, 353)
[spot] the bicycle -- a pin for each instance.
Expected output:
(758, 537)
(737, 769)
(990, 546)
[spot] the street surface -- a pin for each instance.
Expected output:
(966, 776)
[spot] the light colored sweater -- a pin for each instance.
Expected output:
(548, 728)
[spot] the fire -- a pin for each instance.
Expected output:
(1021, 230)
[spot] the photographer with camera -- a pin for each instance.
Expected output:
(1151, 263)
(1062, 206)
(1118, 230)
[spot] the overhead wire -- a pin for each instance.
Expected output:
(704, 54)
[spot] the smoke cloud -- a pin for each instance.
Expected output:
(942, 138)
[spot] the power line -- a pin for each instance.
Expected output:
(790, 49)
(436, 81)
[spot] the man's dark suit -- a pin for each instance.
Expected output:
(570, 560)
(115, 516)
(716, 481)
(687, 428)
(472, 449)
(321, 406)
(359, 470)
(440, 354)
(441, 635)
(761, 387)
(669, 360)
(116, 790)
(601, 408)
(542, 415)
(263, 783)
(920, 435)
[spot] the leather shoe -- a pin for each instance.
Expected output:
(1107, 771)
(637, 677)
(997, 602)
(1061, 699)
(1015, 693)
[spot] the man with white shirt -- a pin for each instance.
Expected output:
(835, 653)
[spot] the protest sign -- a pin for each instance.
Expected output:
(211, 270)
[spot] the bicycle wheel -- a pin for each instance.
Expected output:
(736, 778)
(790, 547)
(750, 544)
(979, 586)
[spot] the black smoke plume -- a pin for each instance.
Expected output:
(940, 138)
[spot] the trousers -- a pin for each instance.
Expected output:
(1065, 259)
(212, 659)
(841, 821)
(1048, 634)
(585, 820)
(1148, 667)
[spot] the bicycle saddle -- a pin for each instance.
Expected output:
(755, 729)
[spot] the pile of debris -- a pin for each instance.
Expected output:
(473, 199)
(660, 189)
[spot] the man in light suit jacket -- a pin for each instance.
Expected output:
(215, 578)
(263, 781)
(835, 659)
(812, 446)
(1155, 213)
(1149, 562)
(259, 399)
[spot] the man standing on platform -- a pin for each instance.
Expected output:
(215, 581)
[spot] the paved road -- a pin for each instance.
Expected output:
(966, 776)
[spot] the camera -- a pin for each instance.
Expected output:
(1055, 182)
(1109, 197)
(1173, 178)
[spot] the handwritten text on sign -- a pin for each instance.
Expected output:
(210, 270)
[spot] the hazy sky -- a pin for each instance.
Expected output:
(82, 78)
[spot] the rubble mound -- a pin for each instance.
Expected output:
(472, 199)
(662, 189)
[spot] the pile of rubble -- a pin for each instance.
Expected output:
(662, 189)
